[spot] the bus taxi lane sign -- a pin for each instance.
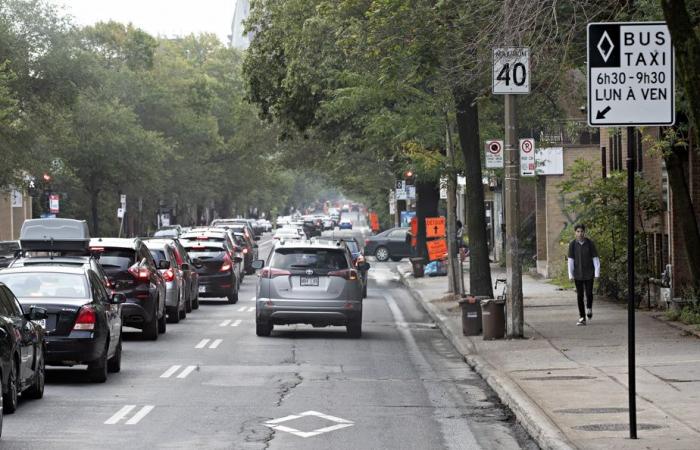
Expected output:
(493, 150)
(527, 157)
(434, 227)
(631, 74)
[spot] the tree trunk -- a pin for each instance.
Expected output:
(468, 129)
(94, 200)
(427, 198)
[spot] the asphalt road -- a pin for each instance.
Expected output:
(209, 382)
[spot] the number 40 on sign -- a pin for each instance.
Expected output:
(511, 70)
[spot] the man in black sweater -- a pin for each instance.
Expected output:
(584, 266)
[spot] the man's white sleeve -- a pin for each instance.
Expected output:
(571, 268)
(596, 266)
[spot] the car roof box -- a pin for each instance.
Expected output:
(58, 235)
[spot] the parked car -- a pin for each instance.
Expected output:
(132, 271)
(163, 254)
(308, 282)
(215, 267)
(394, 244)
(22, 351)
(282, 234)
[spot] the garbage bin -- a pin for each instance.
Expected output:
(471, 314)
(493, 318)
(418, 266)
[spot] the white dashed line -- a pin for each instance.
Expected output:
(216, 343)
(140, 415)
(225, 323)
(119, 415)
(251, 309)
(202, 343)
(252, 299)
(242, 308)
(188, 370)
(168, 373)
(236, 323)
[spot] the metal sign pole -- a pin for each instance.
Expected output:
(631, 167)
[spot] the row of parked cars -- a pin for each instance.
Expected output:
(64, 297)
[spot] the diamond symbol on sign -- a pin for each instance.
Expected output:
(605, 39)
(339, 424)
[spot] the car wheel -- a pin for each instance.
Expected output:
(233, 297)
(364, 291)
(396, 258)
(150, 329)
(174, 314)
(355, 329)
(188, 306)
(382, 253)
(263, 328)
(162, 326)
(183, 313)
(114, 364)
(9, 399)
(97, 370)
(36, 390)
(195, 303)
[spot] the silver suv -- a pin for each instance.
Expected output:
(313, 283)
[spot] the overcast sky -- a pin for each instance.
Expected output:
(157, 17)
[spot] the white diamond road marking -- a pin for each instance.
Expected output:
(604, 54)
(122, 413)
(236, 323)
(340, 424)
(225, 323)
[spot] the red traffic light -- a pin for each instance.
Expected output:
(409, 173)
(47, 177)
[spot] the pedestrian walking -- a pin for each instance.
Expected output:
(584, 266)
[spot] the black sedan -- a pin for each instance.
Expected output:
(394, 244)
(22, 351)
(215, 267)
(83, 322)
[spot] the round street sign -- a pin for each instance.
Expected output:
(495, 147)
(527, 146)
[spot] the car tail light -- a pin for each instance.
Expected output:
(269, 272)
(226, 266)
(140, 273)
(168, 275)
(86, 319)
(348, 274)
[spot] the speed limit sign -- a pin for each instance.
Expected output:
(511, 70)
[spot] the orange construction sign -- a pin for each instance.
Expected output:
(434, 227)
(414, 231)
(437, 249)
(374, 221)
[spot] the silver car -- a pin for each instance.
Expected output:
(308, 282)
(175, 299)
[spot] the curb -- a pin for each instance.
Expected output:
(537, 424)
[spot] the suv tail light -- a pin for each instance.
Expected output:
(140, 273)
(226, 266)
(86, 319)
(348, 274)
(269, 272)
(168, 275)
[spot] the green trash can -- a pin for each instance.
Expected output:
(493, 318)
(471, 314)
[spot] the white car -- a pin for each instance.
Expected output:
(287, 234)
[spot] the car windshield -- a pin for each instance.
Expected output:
(309, 258)
(158, 255)
(46, 284)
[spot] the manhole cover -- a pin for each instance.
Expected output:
(616, 427)
(592, 410)
(560, 378)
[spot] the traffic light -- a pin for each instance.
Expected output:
(47, 178)
(409, 176)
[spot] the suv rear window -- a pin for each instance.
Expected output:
(309, 258)
(46, 284)
(121, 258)
(203, 249)
(158, 255)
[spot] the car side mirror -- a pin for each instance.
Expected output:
(163, 264)
(363, 266)
(36, 313)
(258, 264)
(117, 298)
(185, 266)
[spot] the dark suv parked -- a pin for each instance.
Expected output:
(133, 272)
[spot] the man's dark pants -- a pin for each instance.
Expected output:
(582, 285)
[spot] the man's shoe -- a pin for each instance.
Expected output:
(581, 322)
(589, 313)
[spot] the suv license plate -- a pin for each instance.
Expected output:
(308, 281)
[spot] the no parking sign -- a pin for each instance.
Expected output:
(494, 154)
(527, 157)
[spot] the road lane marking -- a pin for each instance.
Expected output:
(202, 343)
(242, 308)
(168, 373)
(119, 415)
(216, 343)
(140, 415)
(225, 323)
(236, 323)
(251, 309)
(339, 424)
(188, 370)
(253, 298)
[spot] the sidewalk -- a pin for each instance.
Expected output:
(567, 385)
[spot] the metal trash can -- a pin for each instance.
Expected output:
(493, 318)
(471, 314)
(418, 265)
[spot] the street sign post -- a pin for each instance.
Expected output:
(630, 74)
(630, 83)
(53, 203)
(494, 154)
(511, 70)
(527, 157)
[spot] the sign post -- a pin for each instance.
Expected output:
(528, 165)
(630, 83)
